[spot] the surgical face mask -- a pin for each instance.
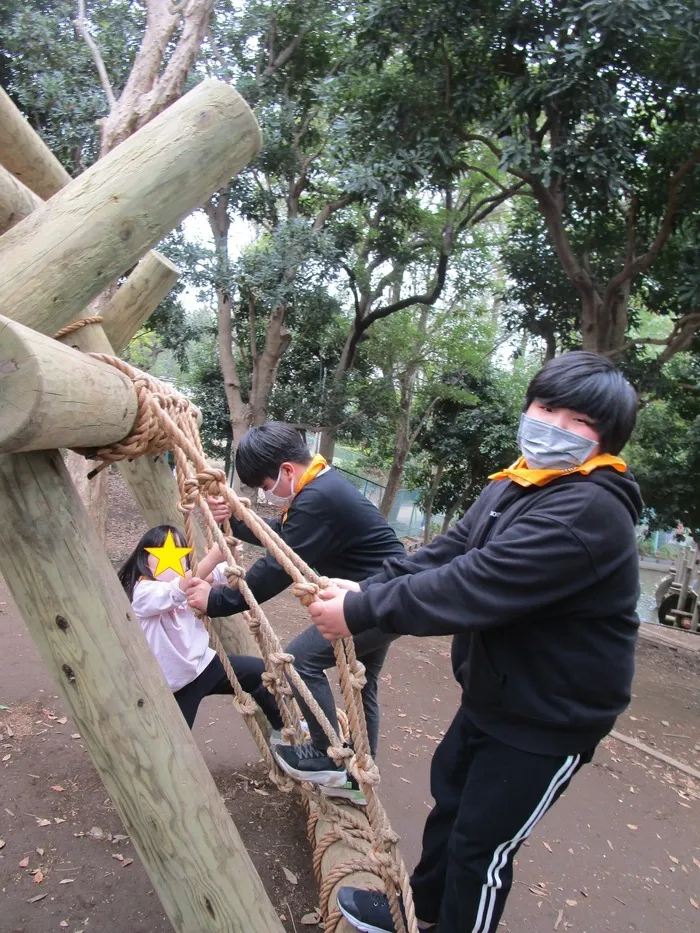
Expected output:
(548, 447)
(281, 501)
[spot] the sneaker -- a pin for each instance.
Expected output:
(367, 911)
(307, 763)
(350, 790)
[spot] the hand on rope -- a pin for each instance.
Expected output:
(219, 508)
(328, 615)
(198, 591)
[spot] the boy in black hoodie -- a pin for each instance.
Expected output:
(538, 583)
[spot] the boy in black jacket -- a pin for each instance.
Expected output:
(338, 532)
(538, 583)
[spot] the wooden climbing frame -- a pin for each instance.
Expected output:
(72, 392)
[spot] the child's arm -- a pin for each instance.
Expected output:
(152, 597)
(209, 561)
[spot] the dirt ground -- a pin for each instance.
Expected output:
(620, 852)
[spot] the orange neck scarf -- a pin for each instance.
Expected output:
(317, 465)
(521, 474)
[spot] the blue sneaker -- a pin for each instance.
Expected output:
(367, 911)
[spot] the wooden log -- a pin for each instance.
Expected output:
(52, 396)
(80, 619)
(16, 200)
(137, 298)
(339, 852)
(61, 256)
(24, 153)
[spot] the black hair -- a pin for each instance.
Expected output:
(590, 384)
(264, 448)
(136, 565)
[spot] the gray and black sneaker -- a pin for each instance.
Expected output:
(367, 911)
(307, 763)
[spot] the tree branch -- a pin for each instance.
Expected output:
(330, 208)
(423, 419)
(429, 298)
(251, 320)
(81, 27)
(641, 263)
(277, 61)
(678, 340)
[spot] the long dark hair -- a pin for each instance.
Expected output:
(136, 565)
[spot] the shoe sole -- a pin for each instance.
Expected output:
(360, 924)
(354, 796)
(326, 778)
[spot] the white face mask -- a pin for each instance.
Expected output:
(281, 501)
(548, 447)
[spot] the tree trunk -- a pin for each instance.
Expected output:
(432, 492)
(265, 364)
(450, 514)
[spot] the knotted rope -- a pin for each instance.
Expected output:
(166, 421)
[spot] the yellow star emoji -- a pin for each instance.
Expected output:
(169, 556)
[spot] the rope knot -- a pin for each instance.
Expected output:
(234, 574)
(356, 674)
(246, 705)
(212, 482)
(305, 592)
(341, 754)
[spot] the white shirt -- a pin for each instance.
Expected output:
(175, 635)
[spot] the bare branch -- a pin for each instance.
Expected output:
(423, 419)
(330, 208)
(81, 27)
(641, 263)
(679, 339)
(278, 61)
(251, 319)
(429, 298)
(482, 171)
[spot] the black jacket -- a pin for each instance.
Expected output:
(539, 586)
(331, 526)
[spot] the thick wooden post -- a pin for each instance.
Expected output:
(61, 256)
(138, 298)
(16, 200)
(24, 153)
(80, 619)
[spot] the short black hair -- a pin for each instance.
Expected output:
(265, 447)
(136, 565)
(591, 384)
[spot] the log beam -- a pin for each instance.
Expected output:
(24, 153)
(81, 621)
(63, 255)
(16, 200)
(135, 300)
(52, 396)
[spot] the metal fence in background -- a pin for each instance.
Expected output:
(406, 518)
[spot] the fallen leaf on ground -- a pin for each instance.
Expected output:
(118, 856)
(62, 721)
(96, 833)
(24, 862)
(7, 757)
(405, 780)
(547, 846)
(44, 822)
(58, 819)
(611, 845)
(57, 788)
(290, 876)
(67, 881)
(696, 862)
(38, 877)
(9, 731)
(63, 923)
(311, 919)
(571, 903)
(37, 897)
(694, 903)
(127, 861)
(673, 859)
(119, 838)
(39, 851)
(559, 919)
(632, 826)
(2, 843)
(76, 735)
(263, 793)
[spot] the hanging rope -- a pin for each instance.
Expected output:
(166, 421)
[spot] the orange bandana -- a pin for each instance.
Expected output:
(317, 465)
(523, 476)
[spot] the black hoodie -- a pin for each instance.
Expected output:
(539, 586)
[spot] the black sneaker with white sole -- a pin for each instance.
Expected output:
(367, 911)
(306, 763)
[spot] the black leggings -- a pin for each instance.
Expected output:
(213, 681)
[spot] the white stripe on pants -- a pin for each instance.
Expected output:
(500, 857)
